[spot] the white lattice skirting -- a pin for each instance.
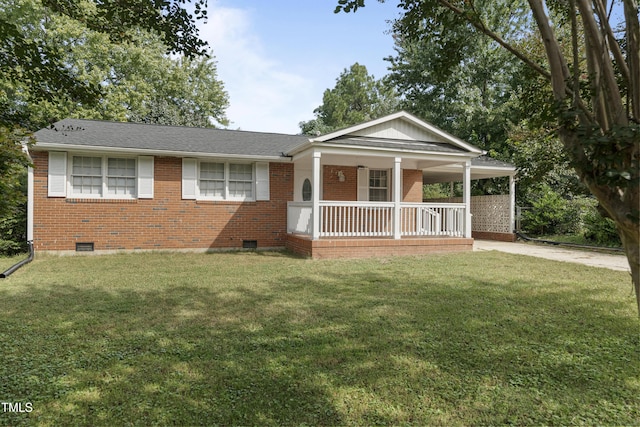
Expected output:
(490, 214)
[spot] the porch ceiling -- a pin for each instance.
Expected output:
(481, 168)
(385, 162)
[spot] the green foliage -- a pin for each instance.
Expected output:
(600, 230)
(13, 164)
(137, 80)
(436, 191)
(269, 340)
(13, 232)
(459, 81)
(356, 98)
(550, 214)
(579, 217)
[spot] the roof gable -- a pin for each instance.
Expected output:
(402, 127)
(399, 129)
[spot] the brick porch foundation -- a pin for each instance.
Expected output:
(373, 247)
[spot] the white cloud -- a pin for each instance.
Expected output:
(264, 94)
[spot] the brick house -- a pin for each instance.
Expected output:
(110, 186)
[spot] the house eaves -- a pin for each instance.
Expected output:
(151, 152)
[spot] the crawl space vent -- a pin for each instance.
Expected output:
(84, 246)
(250, 244)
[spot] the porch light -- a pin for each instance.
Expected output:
(341, 176)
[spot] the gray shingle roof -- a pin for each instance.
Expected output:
(95, 133)
(139, 136)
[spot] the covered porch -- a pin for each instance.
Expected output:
(359, 192)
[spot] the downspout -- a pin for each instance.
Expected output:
(16, 266)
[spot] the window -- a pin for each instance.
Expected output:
(233, 181)
(306, 190)
(206, 180)
(95, 177)
(378, 185)
(121, 177)
(86, 175)
(241, 181)
(212, 179)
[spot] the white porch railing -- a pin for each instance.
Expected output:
(432, 219)
(375, 219)
(356, 219)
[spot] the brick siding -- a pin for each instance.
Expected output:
(333, 189)
(412, 185)
(164, 222)
(347, 190)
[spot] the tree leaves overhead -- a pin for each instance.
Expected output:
(134, 77)
(167, 18)
(356, 97)
(39, 62)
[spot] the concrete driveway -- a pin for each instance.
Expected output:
(556, 253)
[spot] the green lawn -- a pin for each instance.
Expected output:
(266, 339)
(7, 262)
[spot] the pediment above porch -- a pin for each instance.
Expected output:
(400, 130)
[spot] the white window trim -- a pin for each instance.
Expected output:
(104, 166)
(388, 186)
(226, 196)
(364, 175)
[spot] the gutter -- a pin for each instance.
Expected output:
(14, 267)
(52, 146)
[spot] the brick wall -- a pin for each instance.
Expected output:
(347, 190)
(333, 189)
(412, 186)
(374, 247)
(164, 222)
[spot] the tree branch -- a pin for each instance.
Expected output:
(613, 43)
(478, 24)
(607, 99)
(559, 69)
(633, 55)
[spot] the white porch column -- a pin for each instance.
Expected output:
(316, 184)
(466, 188)
(512, 202)
(397, 196)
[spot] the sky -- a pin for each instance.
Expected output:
(277, 57)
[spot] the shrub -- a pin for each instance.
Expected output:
(551, 214)
(599, 229)
(13, 232)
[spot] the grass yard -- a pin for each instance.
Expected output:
(267, 339)
(6, 261)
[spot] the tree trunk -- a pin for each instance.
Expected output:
(631, 244)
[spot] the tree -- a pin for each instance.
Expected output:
(469, 91)
(38, 76)
(37, 62)
(138, 81)
(596, 113)
(356, 97)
